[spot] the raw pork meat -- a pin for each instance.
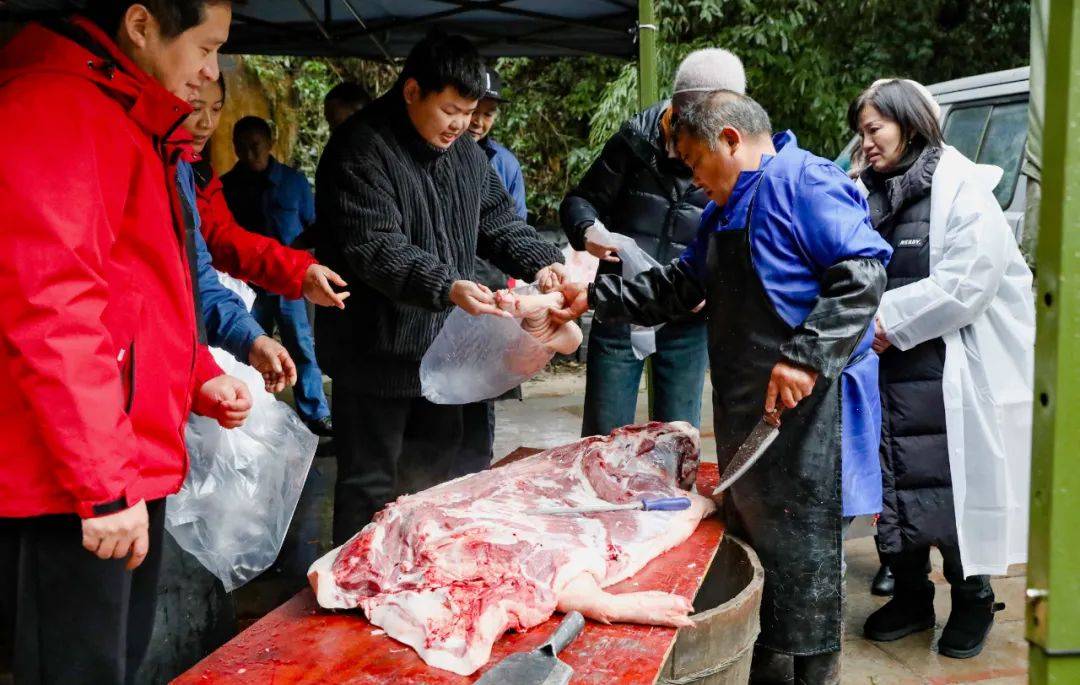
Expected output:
(449, 570)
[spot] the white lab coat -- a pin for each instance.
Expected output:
(979, 299)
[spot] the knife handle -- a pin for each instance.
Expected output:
(569, 629)
(666, 504)
(773, 418)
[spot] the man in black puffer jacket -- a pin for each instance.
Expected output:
(406, 203)
(638, 188)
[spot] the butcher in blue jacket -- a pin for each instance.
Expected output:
(791, 272)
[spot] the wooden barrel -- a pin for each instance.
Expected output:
(717, 651)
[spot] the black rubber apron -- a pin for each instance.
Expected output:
(788, 506)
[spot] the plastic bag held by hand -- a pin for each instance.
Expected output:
(634, 261)
(476, 358)
(243, 485)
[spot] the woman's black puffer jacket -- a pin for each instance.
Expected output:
(917, 488)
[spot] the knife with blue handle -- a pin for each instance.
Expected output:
(658, 504)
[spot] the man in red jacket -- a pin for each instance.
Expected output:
(101, 358)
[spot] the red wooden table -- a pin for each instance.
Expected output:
(300, 643)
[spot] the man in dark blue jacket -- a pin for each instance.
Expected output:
(274, 200)
(502, 160)
(508, 169)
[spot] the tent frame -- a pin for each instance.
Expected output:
(615, 23)
(1053, 594)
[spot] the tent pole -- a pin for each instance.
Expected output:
(1053, 595)
(647, 30)
(647, 95)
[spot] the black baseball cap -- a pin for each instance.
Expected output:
(493, 86)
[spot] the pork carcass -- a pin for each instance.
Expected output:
(448, 570)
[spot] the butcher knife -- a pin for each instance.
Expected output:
(761, 438)
(542, 665)
(659, 504)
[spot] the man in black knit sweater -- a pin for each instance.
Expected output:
(405, 204)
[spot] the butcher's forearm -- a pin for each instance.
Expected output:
(849, 297)
(659, 295)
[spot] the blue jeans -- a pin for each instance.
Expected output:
(613, 375)
(291, 320)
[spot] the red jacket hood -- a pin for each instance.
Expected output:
(78, 47)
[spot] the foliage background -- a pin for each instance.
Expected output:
(805, 61)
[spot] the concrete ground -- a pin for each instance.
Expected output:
(550, 415)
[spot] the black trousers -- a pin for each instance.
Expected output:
(911, 569)
(388, 447)
(75, 618)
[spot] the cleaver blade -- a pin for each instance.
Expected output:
(760, 439)
(541, 666)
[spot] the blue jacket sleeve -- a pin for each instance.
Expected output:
(833, 230)
(516, 187)
(229, 325)
(307, 201)
(832, 223)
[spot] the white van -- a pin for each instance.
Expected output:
(985, 117)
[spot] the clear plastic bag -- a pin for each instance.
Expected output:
(634, 261)
(477, 358)
(236, 504)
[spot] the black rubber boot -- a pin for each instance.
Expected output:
(968, 625)
(911, 610)
(884, 582)
(820, 669)
(771, 668)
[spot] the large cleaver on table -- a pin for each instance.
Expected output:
(540, 666)
(759, 441)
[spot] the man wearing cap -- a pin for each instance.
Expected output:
(639, 187)
(502, 160)
(508, 169)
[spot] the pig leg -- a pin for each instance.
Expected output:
(563, 339)
(534, 312)
(584, 594)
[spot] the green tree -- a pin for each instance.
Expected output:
(806, 60)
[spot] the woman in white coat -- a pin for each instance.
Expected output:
(955, 333)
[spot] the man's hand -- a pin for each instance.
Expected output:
(272, 360)
(790, 384)
(116, 536)
(598, 247)
(475, 299)
(881, 340)
(550, 277)
(576, 302)
(225, 399)
(318, 289)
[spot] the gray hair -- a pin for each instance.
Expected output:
(705, 71)
(705, 119)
